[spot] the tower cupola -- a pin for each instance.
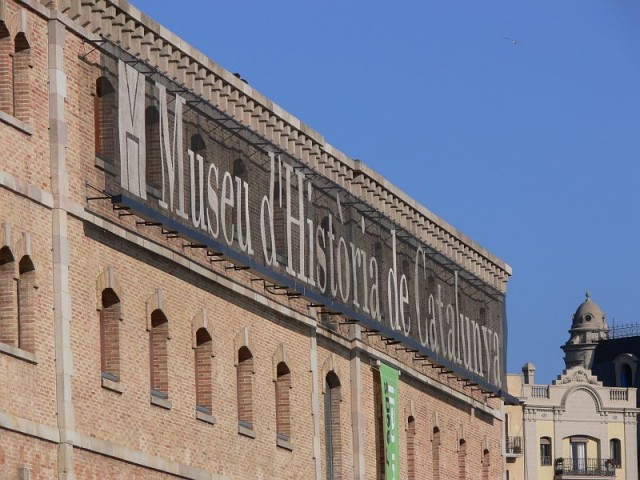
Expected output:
(588, 328)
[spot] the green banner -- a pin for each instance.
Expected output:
(389, 381)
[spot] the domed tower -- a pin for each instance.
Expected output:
(587, 329)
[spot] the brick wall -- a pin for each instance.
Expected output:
(26, 458)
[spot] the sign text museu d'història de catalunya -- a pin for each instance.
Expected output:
(263, 206)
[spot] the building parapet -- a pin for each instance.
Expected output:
(119, 22)
(619, 394)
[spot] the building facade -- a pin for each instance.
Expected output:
(579, 426)
(194, 284)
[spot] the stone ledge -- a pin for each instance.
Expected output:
(246, 431)
(205, 417)
(19, 353)
(112, 385)
(25, 426)
(105, 166)
(146, 460)
(99, 446)
(15, 123)
(160, 402)
(32, 192)
(282, 443)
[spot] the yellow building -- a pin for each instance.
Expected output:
(576, 427)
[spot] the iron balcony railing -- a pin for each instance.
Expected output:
(588, 467)
(514, 445)
(623, 331)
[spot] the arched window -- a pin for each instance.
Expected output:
(6, 73)
(241, 207)
(197, 144)
(240, 169)
(626, 375)
(485, 464)
(8, 324)
(204, 381)
(411, 448)
(626, 367)
(110, 315)
(21, 84)
(158, 348)
(26, 304)
(545, 451)
(245, 388)
(196, 188)
(462, 460)
(435, 453)
(105, 119)
(431, 286)
(333, 444)
(280, 222)
(283, 404)
(615, 452)
(152, 147)
(381, 463)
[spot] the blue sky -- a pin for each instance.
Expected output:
(532, 149)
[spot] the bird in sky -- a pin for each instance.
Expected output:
(512, 40)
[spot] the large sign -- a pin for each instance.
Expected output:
(182, 164)
(389, 384)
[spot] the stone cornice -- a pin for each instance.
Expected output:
(143, 37)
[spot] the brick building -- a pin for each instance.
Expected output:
(194, 284)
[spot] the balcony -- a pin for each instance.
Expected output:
(540, 391)
(513, 446)
(578, 468)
